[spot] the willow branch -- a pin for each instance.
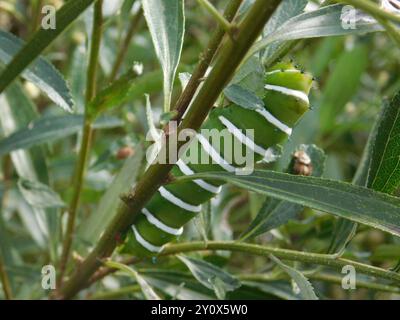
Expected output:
(229, 58)
(5, 281)
(132, 29)
(87, 134)
(205, 60)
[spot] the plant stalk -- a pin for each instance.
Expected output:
(5, 281)
(328, 260)
(232, 53)
(87, 135)
(205, 60)
(133, 27)
(324, 277)
(224, 23)
(305, 257)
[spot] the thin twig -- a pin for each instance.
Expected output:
(224, 23)
(311, 258)
(5, 281)
(133, 27)
(80, 169)
(324, 277)
(205, 60)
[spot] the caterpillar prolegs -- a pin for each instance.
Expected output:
(162, 219)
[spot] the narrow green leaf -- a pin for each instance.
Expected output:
(378, 165)
(39, 195)
(322, 22)
(48, 129)
(16, 112)
(286, 10)
(41, 40)
(114, 95)
(250, 76)
(41, 72)
(166, 21)
(278, 289)
(275, 213)
(243, 97)
(384, 173)
(305, 287)
(359, 204)
(210, 276)
(147, 290)
(177, 285)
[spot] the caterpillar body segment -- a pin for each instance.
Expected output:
(173, 205)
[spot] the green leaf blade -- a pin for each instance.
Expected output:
(41, 72)
(41, 40)
(51, 128)
(166, 21)
(305, 287)
(355, 203)
(275, 213)
(210, 276)
(39, 195)
(384, 174)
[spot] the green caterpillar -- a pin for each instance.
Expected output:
(163, 218)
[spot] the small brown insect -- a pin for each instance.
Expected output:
(302, 163)
(125, 152)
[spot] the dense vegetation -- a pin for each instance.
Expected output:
(78, 100)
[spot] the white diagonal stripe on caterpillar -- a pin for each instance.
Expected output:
(160, 225)
(283, 71)
(178, 202)
(274, 121)
(243, 138)
(215, 154)
(201, 183)
(144, 243)
(289, 92)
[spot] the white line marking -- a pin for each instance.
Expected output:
(201, 183)
(289, 92)
(214, 154)
(271, 119)
(243, 138)
(280, 71)
(144, 243)
(178, 202)
(160, 225)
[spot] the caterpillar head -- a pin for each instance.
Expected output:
(286, 91)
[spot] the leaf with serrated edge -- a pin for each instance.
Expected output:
(306, 289)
